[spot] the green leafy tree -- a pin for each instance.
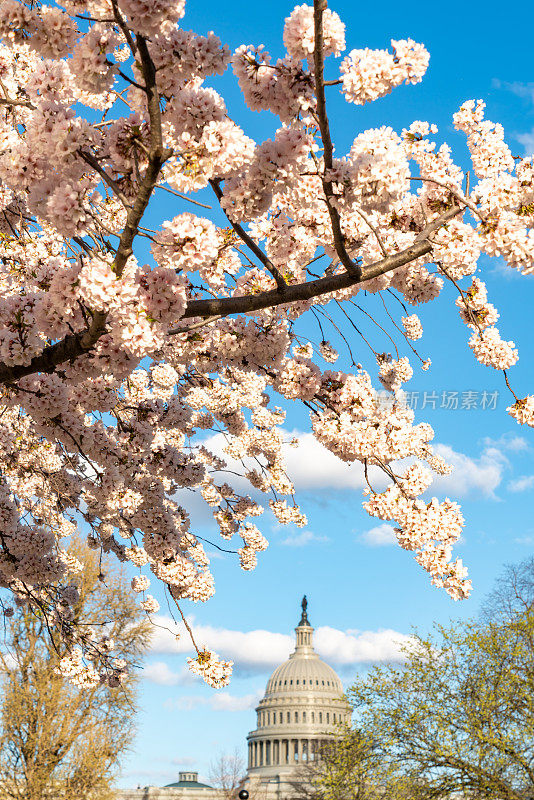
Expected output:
(351, 766)
(57, 740)
(458, 716)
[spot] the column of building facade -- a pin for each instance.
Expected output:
(277, 752)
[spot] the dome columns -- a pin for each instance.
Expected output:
(286, 751)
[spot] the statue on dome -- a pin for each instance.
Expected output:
(304, 617)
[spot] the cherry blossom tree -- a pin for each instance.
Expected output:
(113, 371)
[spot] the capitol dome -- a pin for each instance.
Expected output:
(303, 705)
(302, 672)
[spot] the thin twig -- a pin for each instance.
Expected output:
(175, 331)
(374, 230)
(251, 244)
(188, 627)
(8, 101)
(455, 193)
(91, 160)
(508, 384)
(390, 337)
(124, 27)
(351, 321)
(182, 196)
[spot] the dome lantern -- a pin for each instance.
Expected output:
(304, 631)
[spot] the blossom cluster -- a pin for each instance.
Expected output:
(215, 672)
(369, 74)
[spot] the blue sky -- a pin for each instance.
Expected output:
(365, 594)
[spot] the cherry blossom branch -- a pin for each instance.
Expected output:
(251, 244)
(321, 286)
(91, 160)
(373, 320)
(194, 327)
(358, 331)
(157, 157)
(436, 224)
(186, 624)
(8, 101)
(374, 230)
(508, 384)
(124, 27)
(75, 345)
(410, 345)
(318, 59)
(455, 193)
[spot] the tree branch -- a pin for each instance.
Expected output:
(124, 27)
(91, 160)
(75, 345)
(455, 193)
(8, 101)
(251, 244)
(156, 158)
(318, 59)
(306, 291)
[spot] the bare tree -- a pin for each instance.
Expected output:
(513, 592)
(226, 772)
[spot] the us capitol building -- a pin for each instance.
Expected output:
(302, 707)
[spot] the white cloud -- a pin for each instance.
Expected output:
(159, 672)
(303, 538)
(521, 484)
(516, 87)
(379, 536)
(526, 91)
(312, 467)
(527, 140)
(508, 441)
(255, 651)
(525, 540)
(222, 701)
(353, 647)
(260, 651)
(516, 444)
(470, 475)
